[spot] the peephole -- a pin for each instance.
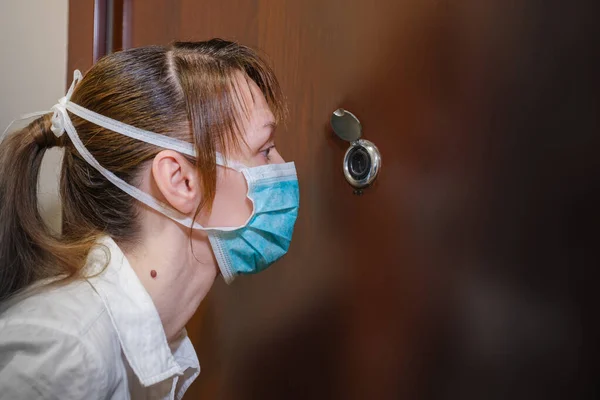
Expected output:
(359, 162)
(362, 161)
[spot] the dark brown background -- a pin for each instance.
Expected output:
(465, 272)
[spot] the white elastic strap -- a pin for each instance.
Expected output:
(142, 135)
(124, 186)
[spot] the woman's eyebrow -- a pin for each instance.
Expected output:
(272, 126)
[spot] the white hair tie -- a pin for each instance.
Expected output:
(60, 109)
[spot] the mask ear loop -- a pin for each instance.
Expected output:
(133, 191)
(165, 142)
(135, 133)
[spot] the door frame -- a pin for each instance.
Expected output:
(96, 28)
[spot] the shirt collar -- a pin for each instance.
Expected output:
(136, 319)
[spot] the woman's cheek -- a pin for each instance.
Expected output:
(231, 207)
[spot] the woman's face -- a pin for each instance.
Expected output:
(231, 207)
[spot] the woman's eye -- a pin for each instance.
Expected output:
(266, 153)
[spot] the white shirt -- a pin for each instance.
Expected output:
(100, 338)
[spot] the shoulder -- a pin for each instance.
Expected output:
(58, 341)
(71, 308)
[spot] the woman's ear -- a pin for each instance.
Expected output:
(177, 180)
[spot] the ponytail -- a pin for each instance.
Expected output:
(29, 251)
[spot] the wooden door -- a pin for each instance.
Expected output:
(365, 303)
(345, 314)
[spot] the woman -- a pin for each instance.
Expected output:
(170, 176)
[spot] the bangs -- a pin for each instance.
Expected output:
(215, 78)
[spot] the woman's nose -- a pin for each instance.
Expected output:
(276, 157)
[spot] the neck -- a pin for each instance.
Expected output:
(183, 276)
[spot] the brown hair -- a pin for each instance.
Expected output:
(185, 91)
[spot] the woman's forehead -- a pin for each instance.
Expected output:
(250, 101)
(249, 94)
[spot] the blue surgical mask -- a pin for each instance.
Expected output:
(266, 237)
(273, 189)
